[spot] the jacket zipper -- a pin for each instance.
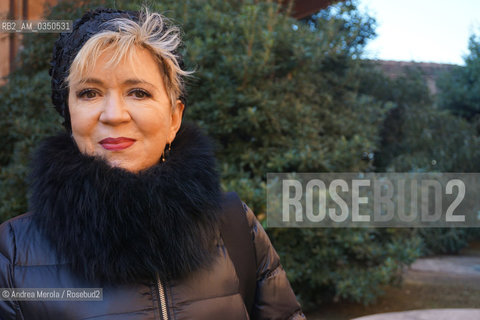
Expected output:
(163, 301)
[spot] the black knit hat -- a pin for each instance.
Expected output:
(68, 45)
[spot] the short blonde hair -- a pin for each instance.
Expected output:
(122, 35)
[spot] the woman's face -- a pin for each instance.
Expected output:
(124, 114)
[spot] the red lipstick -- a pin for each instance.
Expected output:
(115, 144)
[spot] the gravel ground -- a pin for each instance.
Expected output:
(442, 282)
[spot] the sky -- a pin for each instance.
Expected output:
(422, 30)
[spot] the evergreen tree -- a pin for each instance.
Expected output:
(460, 88)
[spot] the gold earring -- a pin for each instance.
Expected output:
(166, 152)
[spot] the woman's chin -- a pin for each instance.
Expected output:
(127, 165)
(116, 164)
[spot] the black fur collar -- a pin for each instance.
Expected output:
(116, 226)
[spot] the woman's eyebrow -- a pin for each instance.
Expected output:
(137, 81)
(126, 82)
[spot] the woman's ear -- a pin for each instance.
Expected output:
(177, 115)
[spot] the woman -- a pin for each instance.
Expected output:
(128, 199)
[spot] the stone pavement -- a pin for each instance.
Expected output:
(453, 265)
(434, 314)
(439, 267)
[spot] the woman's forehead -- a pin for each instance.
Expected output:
(137, 66)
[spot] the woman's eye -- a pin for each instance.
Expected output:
(87, 94)
(140, 94)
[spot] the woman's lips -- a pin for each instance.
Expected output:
(114, 144)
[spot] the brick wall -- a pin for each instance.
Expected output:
(10, 42)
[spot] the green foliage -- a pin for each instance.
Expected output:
(446, 240)
(460, 88)
(353, 264)
(404, 94)
(416, 136)
(276, 94)
(28, 117)
(453, 143)
(346, 28)
(437, 141)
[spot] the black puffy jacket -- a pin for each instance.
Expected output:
(27, 261)
(92, 226)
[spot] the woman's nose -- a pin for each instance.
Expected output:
(114, 110)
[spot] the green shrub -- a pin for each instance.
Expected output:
(446, 240)
(352, 264)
